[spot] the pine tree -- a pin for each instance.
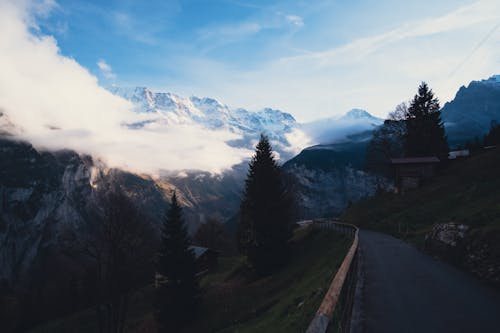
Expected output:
(265, 213)
(493, 136)
(178, 295)
(425, 135)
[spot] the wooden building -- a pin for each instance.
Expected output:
(206, 259)
(411, 172)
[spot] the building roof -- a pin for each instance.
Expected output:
(415, 160)
(198, 250)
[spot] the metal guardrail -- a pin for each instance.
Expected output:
(334, 313)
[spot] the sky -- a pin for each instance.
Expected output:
(313, 58)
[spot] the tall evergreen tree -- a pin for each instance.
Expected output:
(266, 212)
(178, 295)
(425, 135)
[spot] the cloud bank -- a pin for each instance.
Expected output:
(56, 103)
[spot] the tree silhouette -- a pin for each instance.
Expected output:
(119, 246)
(386, 143)
(178, 293)
(265, 213)
(425, 135)
(493, 136)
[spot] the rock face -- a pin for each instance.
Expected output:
(41, 195)
(329, 177)
(328, 193)
(47, 198)
(447, 240)
(472, 110)
(209, 196)
(475, 250)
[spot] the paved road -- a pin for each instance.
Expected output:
(407, 291)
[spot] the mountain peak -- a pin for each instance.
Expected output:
(168, 109)
(355, 114)
(207, 101)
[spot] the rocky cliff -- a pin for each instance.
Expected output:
(331, 177)
(46, 200)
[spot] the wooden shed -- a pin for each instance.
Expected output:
(411, 172)
(206, 259)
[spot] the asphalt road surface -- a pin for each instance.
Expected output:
(404, 290)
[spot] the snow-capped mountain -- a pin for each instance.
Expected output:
(360, 115)
(170, 109)
(334, 129)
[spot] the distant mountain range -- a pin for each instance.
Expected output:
(468, 115)
(168, 109)
(213, 195)
(330, 171)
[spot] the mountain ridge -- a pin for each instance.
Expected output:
(169, 109)
(472, 110)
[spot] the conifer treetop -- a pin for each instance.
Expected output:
(423, 103)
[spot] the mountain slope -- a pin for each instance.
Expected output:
(472, 110)
(330, 177)
(455, 216)
(47, 199)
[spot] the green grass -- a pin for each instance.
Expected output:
(236, 301)
(283, 302)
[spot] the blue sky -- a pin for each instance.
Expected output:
(311, 58)
(314, 59)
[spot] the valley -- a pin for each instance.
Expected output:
(48, 197)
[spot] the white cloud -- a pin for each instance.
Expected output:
(295, 20)
(298, 140)
(105, 69)
(59, 104)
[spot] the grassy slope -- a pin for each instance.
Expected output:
(468, 192)
(283, 302)
(234, 301)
